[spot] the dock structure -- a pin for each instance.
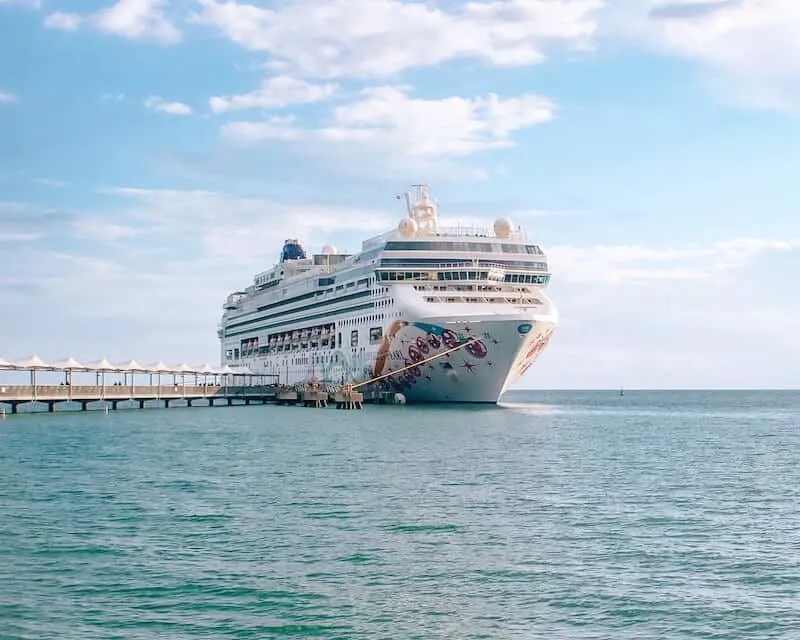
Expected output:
(199, 384)
(121, 385)
(112, 396)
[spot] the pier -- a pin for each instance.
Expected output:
(207, 386)
(131, 385)
(112, 396)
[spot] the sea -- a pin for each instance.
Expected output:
(556, 515)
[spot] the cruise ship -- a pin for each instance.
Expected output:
(438, 314)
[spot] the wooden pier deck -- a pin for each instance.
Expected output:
(90, 397)
(111, 396)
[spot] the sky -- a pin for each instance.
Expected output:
(155, 154)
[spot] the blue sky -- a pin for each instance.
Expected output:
(154, 154)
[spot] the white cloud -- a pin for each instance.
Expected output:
(138, 19)
(112, 97)
(696, 316)
(753, 46)
(637, 264)
(34, 4)
(12, 206)
(542, 213)
(274, 128)
(251, 224)
(131, 19)
(7, 97)
(159, 105)
(388, 119)
(63, 21)
(50, 182)
(727, 324)
(99, 229)
(276, 92)
(365, 38)
(18, 237)
(209, 242)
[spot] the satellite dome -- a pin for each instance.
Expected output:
(503, 227)
(328, 250)
(407, 227)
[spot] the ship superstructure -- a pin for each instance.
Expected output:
(418, 290)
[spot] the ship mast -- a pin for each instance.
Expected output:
(422, 210)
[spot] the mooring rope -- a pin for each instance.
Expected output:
(416, 364)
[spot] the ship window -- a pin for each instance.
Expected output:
(354, 338)
(375, 334)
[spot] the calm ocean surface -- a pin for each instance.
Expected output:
(560, 515)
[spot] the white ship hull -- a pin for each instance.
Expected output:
(502, 348)
(498, 353)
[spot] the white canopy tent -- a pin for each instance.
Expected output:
(204, 370)
(230, 373)
(157, 368)
(240, 370)
(225, 372)
(68, 365)
(33, 364)
(130, 367)
(101, 367)
(181, 369)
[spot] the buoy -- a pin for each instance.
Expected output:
(399, 398)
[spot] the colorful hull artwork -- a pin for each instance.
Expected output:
(496, 354)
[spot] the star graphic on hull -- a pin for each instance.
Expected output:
(490, 364)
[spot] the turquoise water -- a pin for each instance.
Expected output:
(560, 515)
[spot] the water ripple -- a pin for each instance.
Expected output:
(575, 516)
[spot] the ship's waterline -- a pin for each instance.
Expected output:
(474, 297)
